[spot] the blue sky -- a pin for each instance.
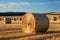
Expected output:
(38, 6)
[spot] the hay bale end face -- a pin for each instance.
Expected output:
(28, 23)
(35, 23)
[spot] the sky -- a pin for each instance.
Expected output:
(37, 6)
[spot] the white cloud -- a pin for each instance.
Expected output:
(24, 3)
(14, 4)
(11, 4)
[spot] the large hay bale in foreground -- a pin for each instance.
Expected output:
(35, 23)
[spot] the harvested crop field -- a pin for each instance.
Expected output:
(53, 26)
(17, 35)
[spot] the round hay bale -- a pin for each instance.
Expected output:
(35, 23)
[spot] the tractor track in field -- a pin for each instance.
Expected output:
(17, 35)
